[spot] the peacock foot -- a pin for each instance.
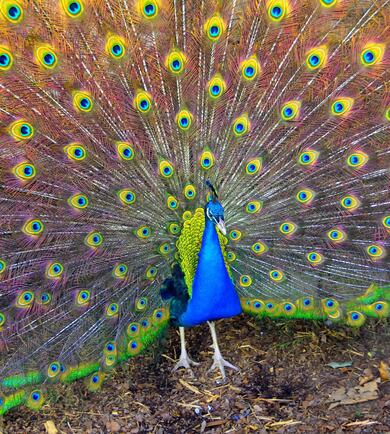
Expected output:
(184, 362)
(220, 363)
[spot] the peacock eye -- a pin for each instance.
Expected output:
(357, 159)
(5, 59)
(337, 235)
(372, 54)
(166, 169)
(375, 252)
(308, 157)
(175, 61)
(149, 9)
(184, 120)
(207, 160)
(214, 28)
(290, 110)
(342, 106)
(142, 102)
(305, 196)
(82, 101)
(93, 239)
(74, 8)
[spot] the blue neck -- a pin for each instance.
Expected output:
(213, 292)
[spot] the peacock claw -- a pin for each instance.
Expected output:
(184, 362)
(220, 363)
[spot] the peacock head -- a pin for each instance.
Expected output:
(214, 210)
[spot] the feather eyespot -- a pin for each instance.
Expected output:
(75, 151)
(83, 297)
(277, 275)
(372, 54)
(166, 169)
(54, 270)
(78, 201)
(33, 227)
(316, 58)
(254, 206)
(120, 271)
(125, 151)
(235, 235)
(278, 10)
(142, 102)
(253, 166)
(73, 8)
(93, 239)
(315, 258)
(12, 11)
(328, 3)
(175, 61)
(149, 8)
(25, 299)
(207, 160)
(375, 252)
(82, 101)
(288, 228)
(342, 106)
(189, 192)
(290, 110)
(115, 47)
(184, 120)
(53, 370)
(305, 196)
(259, 248)
(214, 28)
(250, 68)
(172, 203)
(174, 228)
(216, 87)
(6, 58)
(245, 281)
(350, 202)
(357, 159)
(355, 318)
(45, 56)
(308, 157)
(143, 232)
(126, 196)
(21, 130)
(241, 126)
(337, 235)
(24, 171)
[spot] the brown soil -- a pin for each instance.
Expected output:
(284, 386)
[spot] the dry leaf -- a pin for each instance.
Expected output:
(367, 376)
(384, 371)
(342, 396)
(50, 427)
(336, 365)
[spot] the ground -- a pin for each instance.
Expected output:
(285, 385)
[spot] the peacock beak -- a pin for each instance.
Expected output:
(221, 226)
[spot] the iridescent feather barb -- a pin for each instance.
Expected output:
(114, 114)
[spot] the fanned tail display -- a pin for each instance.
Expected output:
(126, 125)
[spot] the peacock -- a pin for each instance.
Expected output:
(173, 162)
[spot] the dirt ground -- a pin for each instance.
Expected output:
(285, 385)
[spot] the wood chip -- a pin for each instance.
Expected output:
(50, 427)
(361, 423)
(190, 387)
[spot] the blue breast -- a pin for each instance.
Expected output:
(213, 292)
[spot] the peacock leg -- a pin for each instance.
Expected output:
(219, 361)
(184, 361)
